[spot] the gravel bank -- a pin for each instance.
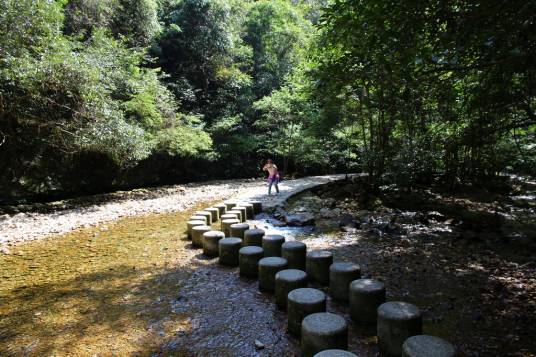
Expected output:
(20, 227)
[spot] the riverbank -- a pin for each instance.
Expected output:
(62, 217)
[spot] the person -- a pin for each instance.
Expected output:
(273, 176)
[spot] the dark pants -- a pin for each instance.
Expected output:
(273, 181)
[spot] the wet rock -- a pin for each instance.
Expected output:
(299, 220)
(5, 251)
(259, 345)
(348, 223)
(436, 216)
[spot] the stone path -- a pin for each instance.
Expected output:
(30, 226)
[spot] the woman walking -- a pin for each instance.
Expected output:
(273, 176)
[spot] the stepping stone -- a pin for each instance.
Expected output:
(215, 213)
(226, 225)
(250, 214)
(335, 353)
(286, 281)
(365, 296)
(197, 235)
(229, 205)
(302, 302)
(294, 252)
(427, 346)
(228, 251)
(268, 267)
(238, 229)
(229, 216)
(249, 261)
(198, 218)
(191, 224)
(253, 237)
(323, 331)
(340, 276)
(397, 321)
(206, 214)
(272, 245)
(317, 265)
(257, 206)
(238, 214)
(243, 212)
(210, 243)
(222, 208)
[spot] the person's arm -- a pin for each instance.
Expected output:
(265, 167)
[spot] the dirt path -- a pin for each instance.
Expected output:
(21, 227)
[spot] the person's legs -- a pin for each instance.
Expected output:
(270, 182)
(276, 186)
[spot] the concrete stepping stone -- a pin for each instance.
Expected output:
(257, 206)
(341, 274)
(317, 265)
(302, 302)
(238, 214)
(427, 346)
(249, 260)
(215, 213)
(271, 244)
(335, 353)
(198, 218)
(286, 281)
(268, 268)
(229, 205)
(397, 321)
(228, 251)
(222, 208)
(210, 243)
(250, 214)
(206, 214)
(228, 216)
(294, 252)
(323, 331)
(197, 235)
(253, 237)
(191, 224)
(226, 225)
(243, 212)
(238, 229)
(365, 296)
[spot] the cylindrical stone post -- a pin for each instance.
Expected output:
(249, 261)
(365, 296)
(206, 214)
(228, 251)
(397, 321)
(210, 243)
(197, 235)
(323, 331)
(302, 302)
(228, 216)
(294, 252)
(238, 214)
(226, 226)
(250, 214)
(215, 213)
(286, 281)
(253, 237)
(222, 208)
(229, 205)
(317, 266)
(271, 244)
(238, 229)
(257, 206)
(243, 212)
(335, 353)
(191, 224)
(268, 267)
(426, 346)
(340, 277)
(198, 218)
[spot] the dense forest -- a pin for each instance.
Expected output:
(104, 94)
